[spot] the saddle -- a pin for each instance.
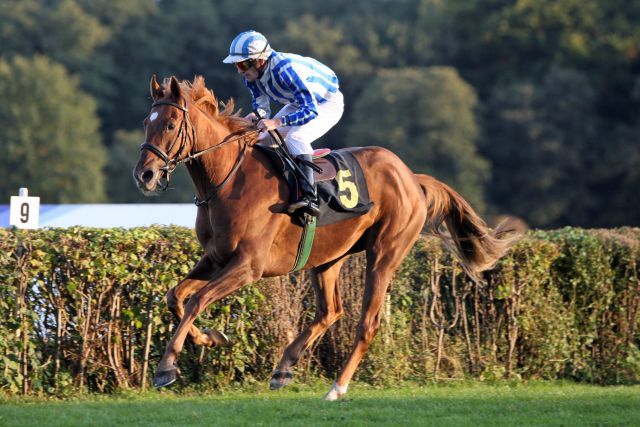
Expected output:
(327, 169)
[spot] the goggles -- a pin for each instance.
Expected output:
(244, 65)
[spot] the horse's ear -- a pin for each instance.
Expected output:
(175, 88)
(155, 89)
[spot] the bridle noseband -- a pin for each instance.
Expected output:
(170, 163)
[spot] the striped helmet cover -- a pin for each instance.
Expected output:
(248, 45)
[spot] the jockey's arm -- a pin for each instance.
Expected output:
(307, 106)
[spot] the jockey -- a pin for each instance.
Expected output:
(309, 91)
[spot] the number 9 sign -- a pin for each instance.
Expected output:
(24, 211)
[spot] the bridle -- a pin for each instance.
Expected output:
(171, 163)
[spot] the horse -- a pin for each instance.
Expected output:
(246, 233)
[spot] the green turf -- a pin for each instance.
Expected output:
(539, 404)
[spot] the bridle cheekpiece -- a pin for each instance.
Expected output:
(170, 163)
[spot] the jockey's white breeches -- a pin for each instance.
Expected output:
(299, 138)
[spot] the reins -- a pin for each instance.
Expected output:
(232, 137)
(172, 162)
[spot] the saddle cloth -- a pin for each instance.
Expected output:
(341, 195)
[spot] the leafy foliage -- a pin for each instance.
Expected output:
(78, 306)
(551, 136)
(49, 133)
(550, 123)
(438, 137)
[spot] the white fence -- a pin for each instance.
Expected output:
(112, 215)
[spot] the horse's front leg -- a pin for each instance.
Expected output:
(197, 278)
(240, 271)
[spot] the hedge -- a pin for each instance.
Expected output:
(83, 310)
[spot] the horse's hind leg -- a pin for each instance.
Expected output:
(197, 278)
(383, 259)
(328, 309)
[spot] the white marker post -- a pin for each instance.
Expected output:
(24, 211)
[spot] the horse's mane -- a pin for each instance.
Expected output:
(207, 102)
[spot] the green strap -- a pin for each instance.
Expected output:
(306, 241)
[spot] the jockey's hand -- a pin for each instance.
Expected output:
(252, 117)
(269, 124)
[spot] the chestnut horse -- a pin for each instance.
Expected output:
(246, 233)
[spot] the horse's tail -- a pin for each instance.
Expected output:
(476, 246)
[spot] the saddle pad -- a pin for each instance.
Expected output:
(346, 196)
(343, 196)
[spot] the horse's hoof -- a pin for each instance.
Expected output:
(335, 392)
(218, 338)
(331, 396)
(280, 379)
(166, 378)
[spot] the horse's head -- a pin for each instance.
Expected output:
(169, 137)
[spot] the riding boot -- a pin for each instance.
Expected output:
(309, 199)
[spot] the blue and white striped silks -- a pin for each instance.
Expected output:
(293, 79)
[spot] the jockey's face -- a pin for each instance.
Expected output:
(250, 70)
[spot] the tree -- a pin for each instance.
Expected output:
(302, 37)
(541, 140)
(49, 133)
(170, 39)
(61, 30)
(616, 178)
(66, 33)
(426, 116)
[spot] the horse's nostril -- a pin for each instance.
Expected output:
(147, 176)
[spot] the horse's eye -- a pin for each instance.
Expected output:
(171, 126)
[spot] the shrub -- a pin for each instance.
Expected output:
(83, 310)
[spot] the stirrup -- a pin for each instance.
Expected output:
(310, 206)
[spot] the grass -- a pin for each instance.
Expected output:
(539, 404)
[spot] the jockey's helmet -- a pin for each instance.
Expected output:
(248, 45)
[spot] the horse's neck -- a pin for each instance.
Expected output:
(210, 169)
